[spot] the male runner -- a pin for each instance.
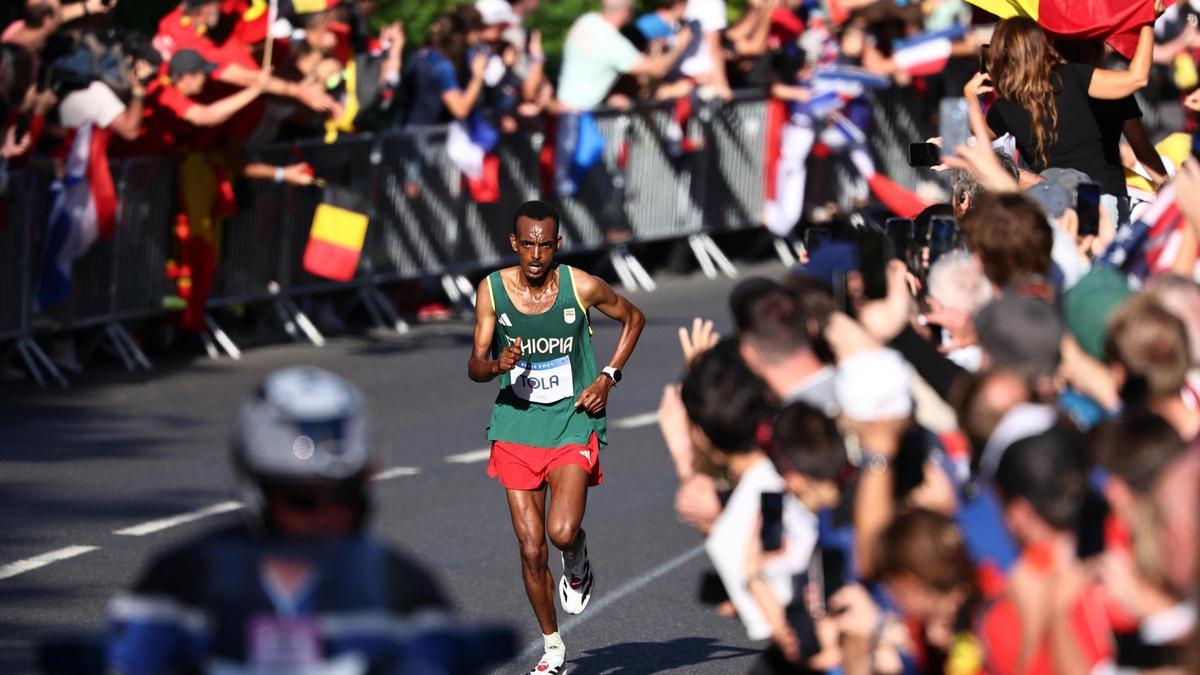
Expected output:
(532, 330)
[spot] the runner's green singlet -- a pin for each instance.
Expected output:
(536, 404)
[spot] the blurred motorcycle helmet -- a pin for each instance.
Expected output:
(302, 436)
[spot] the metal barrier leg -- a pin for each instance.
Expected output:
(465, 287)
(306, 326)
(783, 249)
(718, 256)
(294, 319)
(36, 360)
(622, 268)
(127, 349)
(702, 257)
(222, 339)
(633, 275)
(380, 309)
(289, 324)
(465, 305)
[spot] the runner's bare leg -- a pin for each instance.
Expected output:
(527, 508)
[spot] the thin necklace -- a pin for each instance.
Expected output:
(538, 298)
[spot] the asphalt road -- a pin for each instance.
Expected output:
(118, 454)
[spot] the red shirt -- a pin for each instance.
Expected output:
(163, 125)
(177, 32)
(1000, 631)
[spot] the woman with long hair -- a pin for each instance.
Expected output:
(1043, 101)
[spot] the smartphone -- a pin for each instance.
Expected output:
(873, 256)
(772, 521)
(1087, 207)
(924, 154)
(900, 233)
(23, 123)
(984, 53)
(841, 295)
(711, 591)
(943, 236)
(953, 123)
(815, 238)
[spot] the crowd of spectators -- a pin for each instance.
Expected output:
(985, 443)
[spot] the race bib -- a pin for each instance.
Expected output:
(278, 641)
(545, 382)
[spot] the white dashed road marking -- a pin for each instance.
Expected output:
(153, 526)
(635, 421)
(30, 564)
(396, 472)
(470, 457)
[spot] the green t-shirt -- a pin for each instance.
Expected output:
(536, 404)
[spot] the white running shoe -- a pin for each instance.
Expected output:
(552, 663)
(575, 590)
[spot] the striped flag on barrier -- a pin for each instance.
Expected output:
(84, 209)
(469, 145)
(339, 229)
(927, 53)
(847, 81)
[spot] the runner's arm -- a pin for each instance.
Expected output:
(480, 367)
(593, 292)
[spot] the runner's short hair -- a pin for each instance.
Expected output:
(535, 209)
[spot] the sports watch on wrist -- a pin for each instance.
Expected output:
(613, 373)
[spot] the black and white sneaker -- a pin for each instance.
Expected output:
(552, 663)
(575, 587)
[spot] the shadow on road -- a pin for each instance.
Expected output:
(643, 658)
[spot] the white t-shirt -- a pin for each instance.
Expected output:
(729, 540)
(710, 14)
(97, 104)
(594, 56)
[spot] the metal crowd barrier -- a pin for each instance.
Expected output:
(423, 222)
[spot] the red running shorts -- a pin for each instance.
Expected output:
(524, 467)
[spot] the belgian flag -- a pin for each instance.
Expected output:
(339, 229)
(1117, 21)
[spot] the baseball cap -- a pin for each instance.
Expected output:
(1052, 197)
(874, 385)
(1088, 304)
(188, 61)
(1068, 179)
(497, 12)
(1020, 333)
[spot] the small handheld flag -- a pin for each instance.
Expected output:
(339, 230)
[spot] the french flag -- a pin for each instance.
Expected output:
(84, 208)
(847, 81)
(927, 53)
(469, 144)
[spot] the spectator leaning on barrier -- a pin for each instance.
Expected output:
(705, 60)
(189, 27)
(432, 90)
(596, 53)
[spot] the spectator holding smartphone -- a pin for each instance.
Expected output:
(726, 405)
